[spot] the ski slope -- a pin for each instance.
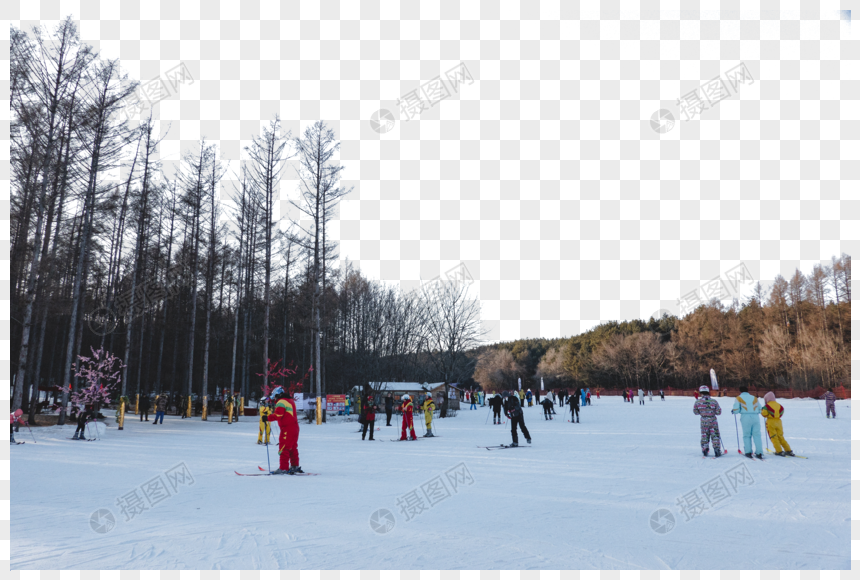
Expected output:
(582, 497)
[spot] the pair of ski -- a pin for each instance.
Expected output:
(73, 439)
(270, 473)
(798, 456)
(18, 442)
(417, 438)
(502, 446)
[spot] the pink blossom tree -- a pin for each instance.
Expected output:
(101, 372)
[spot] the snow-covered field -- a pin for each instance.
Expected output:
(582, 497)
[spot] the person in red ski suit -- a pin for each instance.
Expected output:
(407, 408)
(288, 440)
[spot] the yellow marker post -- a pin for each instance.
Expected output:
(319, 411)
(188, 412)
(137, 404)
(229, 413)
(205, 407)
(121, 414)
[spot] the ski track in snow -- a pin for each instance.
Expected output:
(580, 498)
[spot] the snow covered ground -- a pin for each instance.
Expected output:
(582, 497)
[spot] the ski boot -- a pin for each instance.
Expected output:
(748, 454)
(515, 444)
(280, 472)
(577, 419)
(529, 441)
(705, 452)
(295, 470)
(781, 453)
(717, 453)
(788, 454)
(75, 437)
(758, 456)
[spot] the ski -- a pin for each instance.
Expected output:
(73, 439)
(504, 447)
(251, 474)
(17, 442)
(417, 439)
(270, 473)
(800, 456)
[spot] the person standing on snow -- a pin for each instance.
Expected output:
(288, 440)
(496, 404)
(429, 407)
(389, 409)
(14, 418)
(473, 401)
(830, 402)
(772, 412)
(144, 407)
(160, 408)
(547, 408)
(650, 395)
(574, 405)
(514, 412)
(748, 407)
(265, 428)
(407, 408)
(588, 396)
(708, 409)
(368, 412)
(83, 417)
(529, 397)
(641, 396)
(662, 396)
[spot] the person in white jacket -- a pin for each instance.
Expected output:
(641, 396)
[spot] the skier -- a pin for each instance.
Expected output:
(85, 415)
(708, 409)
(547, 409)
(265, 428)
(13, 419)
(662, 396)
(830, 402)
(288, 440)
(406, 408)
(368, 411)
(650, 395)
(160, 407)
(389, 409)
(514, 412)
(346, 406)
(474, 400)
(624, 394)
(144, 407)
(529, 397)
(496, 404)
(748, 407)
(429, 407)
(574, 406)
(562, 395)
(772, 412)
(630, 396)
(587, 396)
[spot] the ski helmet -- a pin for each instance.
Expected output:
(704, 389)
(506, 394)
(405, 397)
(279, 392)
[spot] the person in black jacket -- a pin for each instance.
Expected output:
(496, 403)
(514, 412)
(389, 409)
(547, 409)
(574, 405)
(144, 407)
(86, 415)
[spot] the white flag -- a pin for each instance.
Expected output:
(520, 381)
(541, 384)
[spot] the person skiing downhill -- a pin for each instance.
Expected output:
(514, 412)
(429, 407)
(748, 407)
(407, 409)
(368, 413)
(288, 440)
(772, 412)
(708, 409)
(574, 405)
(547, 408)
(496, 403)
(265, 429)
(830, 402)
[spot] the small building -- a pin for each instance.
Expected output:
(418, 391)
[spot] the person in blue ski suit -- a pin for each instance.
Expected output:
(582, 397)
(748, 407)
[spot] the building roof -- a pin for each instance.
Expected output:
(405, 386)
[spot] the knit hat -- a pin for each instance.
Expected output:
(769, 397)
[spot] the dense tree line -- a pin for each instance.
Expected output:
(796, 336)
(145, 268)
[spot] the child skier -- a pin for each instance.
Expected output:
(529, 397)
(514, 412)
(429, 407)
(13, 419)
(547, 408)
(830, 402)
(265, 428)
(496, 404)
(748, 407)
(708, 409)
(83, 417)
(288, 440)
(772, 412)
(407, 409)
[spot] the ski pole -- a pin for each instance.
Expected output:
(819, 408)
(738, 437)
(31, 431)
(488, 415)
(766, 444)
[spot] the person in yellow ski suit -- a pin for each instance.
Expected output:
(429, 407)
(265, 409)
(772, 412)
